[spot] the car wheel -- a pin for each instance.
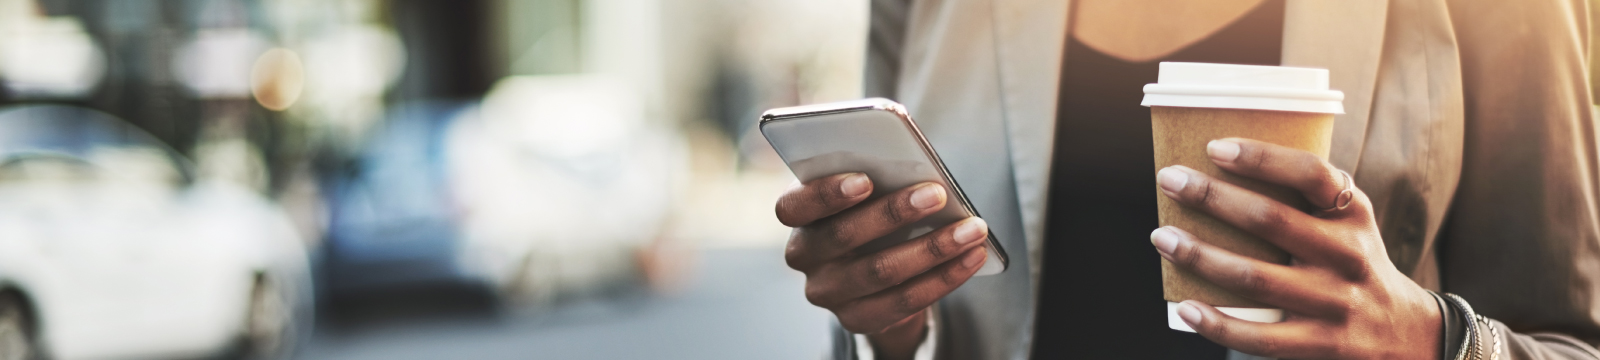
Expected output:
(269, 325)
(16, 339)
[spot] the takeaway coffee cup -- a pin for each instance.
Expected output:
(1194, 103)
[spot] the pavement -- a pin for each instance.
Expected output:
(739, 303)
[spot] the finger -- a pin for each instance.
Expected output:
(819, 198)
(889, 267)
(1296, 232)
(837, 235)
(878, 311)
(1320, 182)
(1291, 339)
(1274, 284)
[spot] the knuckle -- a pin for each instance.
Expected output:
(826, 198)
(1272, 219)
(1360, 203)
(1347, 263)
(1352, 295)
(1188, 254)
(1256, 156)
(1253, 281)
(1359, 273)
(1327, 173)
(791, 207)
(1335, 349)
(952, 277)
(817, 296)
(833, 233)
(907, 302)
(898, 211)
(786, 216)
(795, 254)
(794, 259)
(1206, 193)
(1269, 346)
(880, 271)
(1216, 330)
(938, 248)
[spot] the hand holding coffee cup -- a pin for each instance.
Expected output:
(1245, 187)
(1194, 103)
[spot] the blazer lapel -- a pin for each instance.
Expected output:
(1345, 37)
(1030, 36)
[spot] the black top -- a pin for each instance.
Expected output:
(1100, 291)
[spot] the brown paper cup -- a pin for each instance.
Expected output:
(1181, 135)
(1193, 104)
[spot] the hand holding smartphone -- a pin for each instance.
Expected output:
(876, 137)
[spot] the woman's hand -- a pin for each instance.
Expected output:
(1345, 299)
(884, 294)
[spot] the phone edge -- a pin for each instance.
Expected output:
(927, 148)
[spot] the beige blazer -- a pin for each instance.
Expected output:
(1469, 123)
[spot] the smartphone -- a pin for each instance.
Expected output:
(877, 137)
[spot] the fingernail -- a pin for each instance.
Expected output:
(854, 185)
(970, 231)
(974, 258)
(927, 196)
(1189, 313)
(1223, 150)
(1165, 240)
(1171, 179)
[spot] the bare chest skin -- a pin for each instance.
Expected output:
(1144, 30)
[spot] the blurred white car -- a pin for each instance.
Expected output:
(565, 189)
(110, 249)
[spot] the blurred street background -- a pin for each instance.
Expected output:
(361, 179)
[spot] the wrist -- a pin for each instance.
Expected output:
(900, 340)
(1451, 328)
(1433, 325)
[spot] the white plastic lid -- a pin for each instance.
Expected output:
(1281, 88)
(1248, 314)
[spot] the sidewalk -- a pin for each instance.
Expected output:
(742, 303)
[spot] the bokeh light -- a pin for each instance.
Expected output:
(277, 78)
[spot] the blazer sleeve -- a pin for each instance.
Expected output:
(844, 344)
(1522, 239)
(886, 37)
